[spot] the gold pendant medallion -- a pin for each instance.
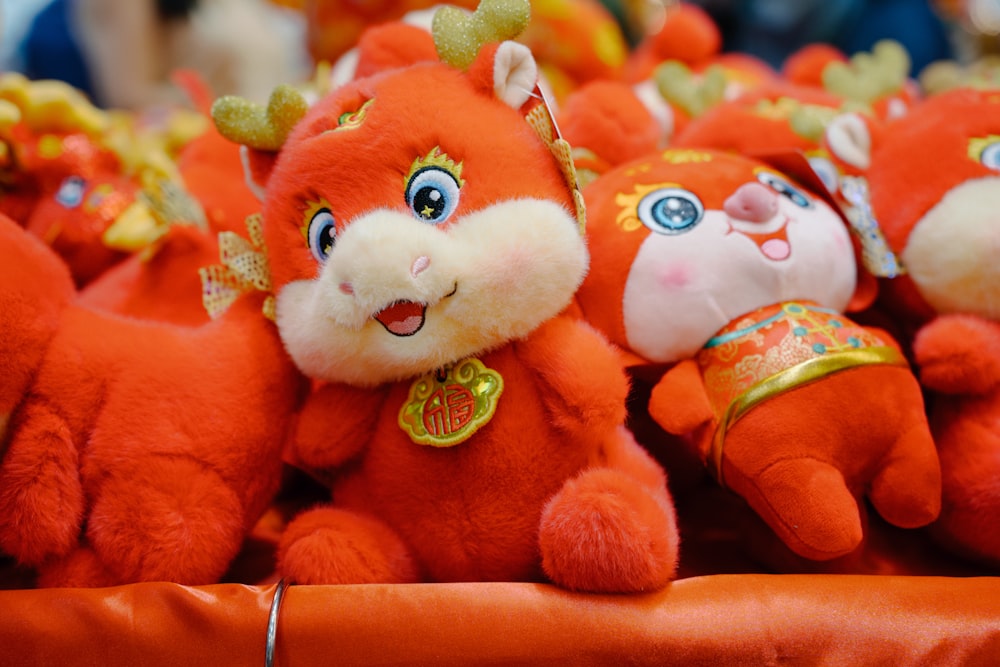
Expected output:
(446, 408)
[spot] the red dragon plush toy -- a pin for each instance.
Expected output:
(934, 181)
(735, 279)
(92, 184)
(423, 240)
(132, 450)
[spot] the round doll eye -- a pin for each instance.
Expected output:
(322, 234)
(990, 157)
(670, 210)
(70, 192)
(432, 194)
(784, 188)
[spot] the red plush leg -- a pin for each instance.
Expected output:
(41, 501)
(605, 532)
(906, 491)
(173, 520)
(808, 505)
(334, 546)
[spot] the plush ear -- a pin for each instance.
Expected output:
(849, 139)
(506, 70)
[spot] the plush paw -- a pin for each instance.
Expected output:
(957, 354)
(334, 546)
(604, 532)
(174, 520)
(970, 467)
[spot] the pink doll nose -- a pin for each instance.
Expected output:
(420, 264)
(752, 202)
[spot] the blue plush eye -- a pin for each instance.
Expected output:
(432, 194)
(322, 234)
(670, 210)
(784, 188)
(70, 192)
(990, 157)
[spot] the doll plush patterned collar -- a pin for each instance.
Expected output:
(738, 279)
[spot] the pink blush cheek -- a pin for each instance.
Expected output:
(674, 276)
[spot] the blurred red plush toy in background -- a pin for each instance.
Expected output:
(932, 176)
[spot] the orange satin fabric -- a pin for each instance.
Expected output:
(711, 620)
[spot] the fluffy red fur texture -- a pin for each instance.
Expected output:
(136, 451)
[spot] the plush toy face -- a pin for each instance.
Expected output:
(415, 218)
(691, 240)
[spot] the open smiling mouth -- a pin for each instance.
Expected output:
(402, 318)
(405, 318)
(774, 245)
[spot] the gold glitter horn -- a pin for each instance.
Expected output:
(263, 128)
(458, 35)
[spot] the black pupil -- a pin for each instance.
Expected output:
(429, 203)
(326, 238)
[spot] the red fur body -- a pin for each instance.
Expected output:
(475, 511)
(137, 451)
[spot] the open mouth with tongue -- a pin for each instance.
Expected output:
(774, 245)
(402, 318)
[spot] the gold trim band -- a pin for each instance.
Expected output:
(796, 376)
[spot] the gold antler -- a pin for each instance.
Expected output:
(458, 35)
(244, 122)
(869, 76)
(10, 114)
(50, 105)
(694, 95)
(943, 75)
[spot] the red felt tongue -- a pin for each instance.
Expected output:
(403, 318)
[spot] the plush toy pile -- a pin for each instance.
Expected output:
(497, 297)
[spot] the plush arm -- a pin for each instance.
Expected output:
(959, 354)
(678, 402)
(586, 383)
(335, 424)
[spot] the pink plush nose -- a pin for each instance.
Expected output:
(752, 202)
